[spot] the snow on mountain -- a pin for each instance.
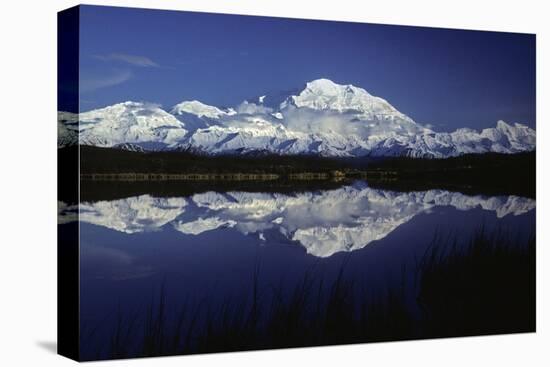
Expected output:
(323, 118)
(504, 138)
(249, 133)
(131, 147)
(67, 129)
(130, 122)
(323, 222)
(324, 94)
(196, 115)
(200, 109)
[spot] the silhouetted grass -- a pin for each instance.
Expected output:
(484, 287)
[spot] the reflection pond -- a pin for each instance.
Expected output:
(218, 271)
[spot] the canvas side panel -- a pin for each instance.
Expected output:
(68, 343)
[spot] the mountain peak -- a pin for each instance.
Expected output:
(324, 85)
(503, 125)
(129, 122)
(199, 109)
(135, 105)
(130, 104)
(324, 94)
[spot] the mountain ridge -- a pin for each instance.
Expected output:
(324, 118)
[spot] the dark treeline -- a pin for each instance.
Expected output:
(96, 190)
(485, 287)
(490, 174)
(67, 175)
(486, 160)
(106, 160)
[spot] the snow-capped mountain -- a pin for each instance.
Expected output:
(323, 222)
(130, 123)
(324, 94)
(67, 129)
(200, 110)
(323, 118)
(196, 115)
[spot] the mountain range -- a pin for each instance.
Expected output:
(324, 118)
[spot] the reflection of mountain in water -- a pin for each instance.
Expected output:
(324, 222)
(133, 215)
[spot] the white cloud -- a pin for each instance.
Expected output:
(322, 121)
(252, 109)
(92, 83)
(135, 60)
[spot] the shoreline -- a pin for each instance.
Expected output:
(237, 176)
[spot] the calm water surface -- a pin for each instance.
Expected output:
(210, 247)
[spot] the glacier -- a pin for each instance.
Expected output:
(324, 118)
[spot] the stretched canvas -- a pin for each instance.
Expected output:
(231, 183)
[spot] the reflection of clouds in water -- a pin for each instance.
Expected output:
(106, 255)
(324, 222)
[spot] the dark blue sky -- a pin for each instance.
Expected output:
(447, 78)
